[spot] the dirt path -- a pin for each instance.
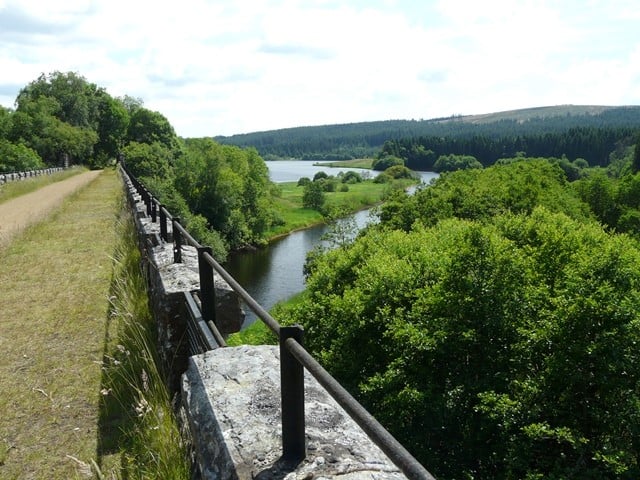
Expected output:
(21, 212)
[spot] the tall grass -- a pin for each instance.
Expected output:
(136, 403)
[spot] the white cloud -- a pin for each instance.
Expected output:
(224, 67)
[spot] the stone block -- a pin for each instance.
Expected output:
(231, 398)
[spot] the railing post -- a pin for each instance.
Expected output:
(147, 200)
(292, 397)
(177, 241)
(154, 210)
(163, 224)
(207, 287)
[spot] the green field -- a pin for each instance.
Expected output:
(295, 216)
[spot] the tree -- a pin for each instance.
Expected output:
(497, 350)
(228, 186)
(636, 156)
(313, 196)
(450, 163)
(351, 177)
(113, 120)
(148, 160)
(17, 158)
(75, 97)
(5, 122)
(386, 161)
(147, 126)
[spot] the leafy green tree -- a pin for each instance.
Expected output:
(17, 158)
(600, 192)
(399, 171)
(147, 126)
(480, 194)
(148, 160)
(504, 349)
(113, 120)
(313, 196)
(451, 163)
(75, 97)
(5, 122)
(351, 177)
(320, 176)
(386, 161)
(228, 186)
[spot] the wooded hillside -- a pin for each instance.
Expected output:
(333, 142)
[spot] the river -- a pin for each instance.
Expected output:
(274, 273)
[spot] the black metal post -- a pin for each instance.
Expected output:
(292, 397)
(154, 210)
(207, 288)
(177, 241)
(163, 224)
(146, 197)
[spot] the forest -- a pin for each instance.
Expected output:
(510, 131)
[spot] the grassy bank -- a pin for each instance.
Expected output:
(360, 195)
(139, 435)
(15, 189)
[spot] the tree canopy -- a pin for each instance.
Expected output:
(490, 322)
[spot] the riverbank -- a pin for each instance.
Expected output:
(295, 216)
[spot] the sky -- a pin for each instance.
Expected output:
(223, 67)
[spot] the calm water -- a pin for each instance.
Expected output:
(274, 273)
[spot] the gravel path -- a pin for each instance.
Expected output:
(21, 212)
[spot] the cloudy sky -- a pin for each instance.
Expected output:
(220, 67)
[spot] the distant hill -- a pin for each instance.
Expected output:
(354, 140)
(526, 114)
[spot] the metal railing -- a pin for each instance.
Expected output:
(203, 335)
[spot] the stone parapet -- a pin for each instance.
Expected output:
(231, 398)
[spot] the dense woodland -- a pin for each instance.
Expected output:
(491, 320)
(496, 136)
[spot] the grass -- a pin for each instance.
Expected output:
(56, 280)
(355, 163)
(138, 425)
(295, 216)
(15, 189)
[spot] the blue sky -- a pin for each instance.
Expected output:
(220, 67)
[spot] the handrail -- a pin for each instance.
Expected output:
(293, 356)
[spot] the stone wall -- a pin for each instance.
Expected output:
(230, 397)
(17, 176)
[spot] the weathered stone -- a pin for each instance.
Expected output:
(168, 283)
(232, 400)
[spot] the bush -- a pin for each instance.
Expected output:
(351, 177)
(320, 176)
(313, 196)
(381, 164)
